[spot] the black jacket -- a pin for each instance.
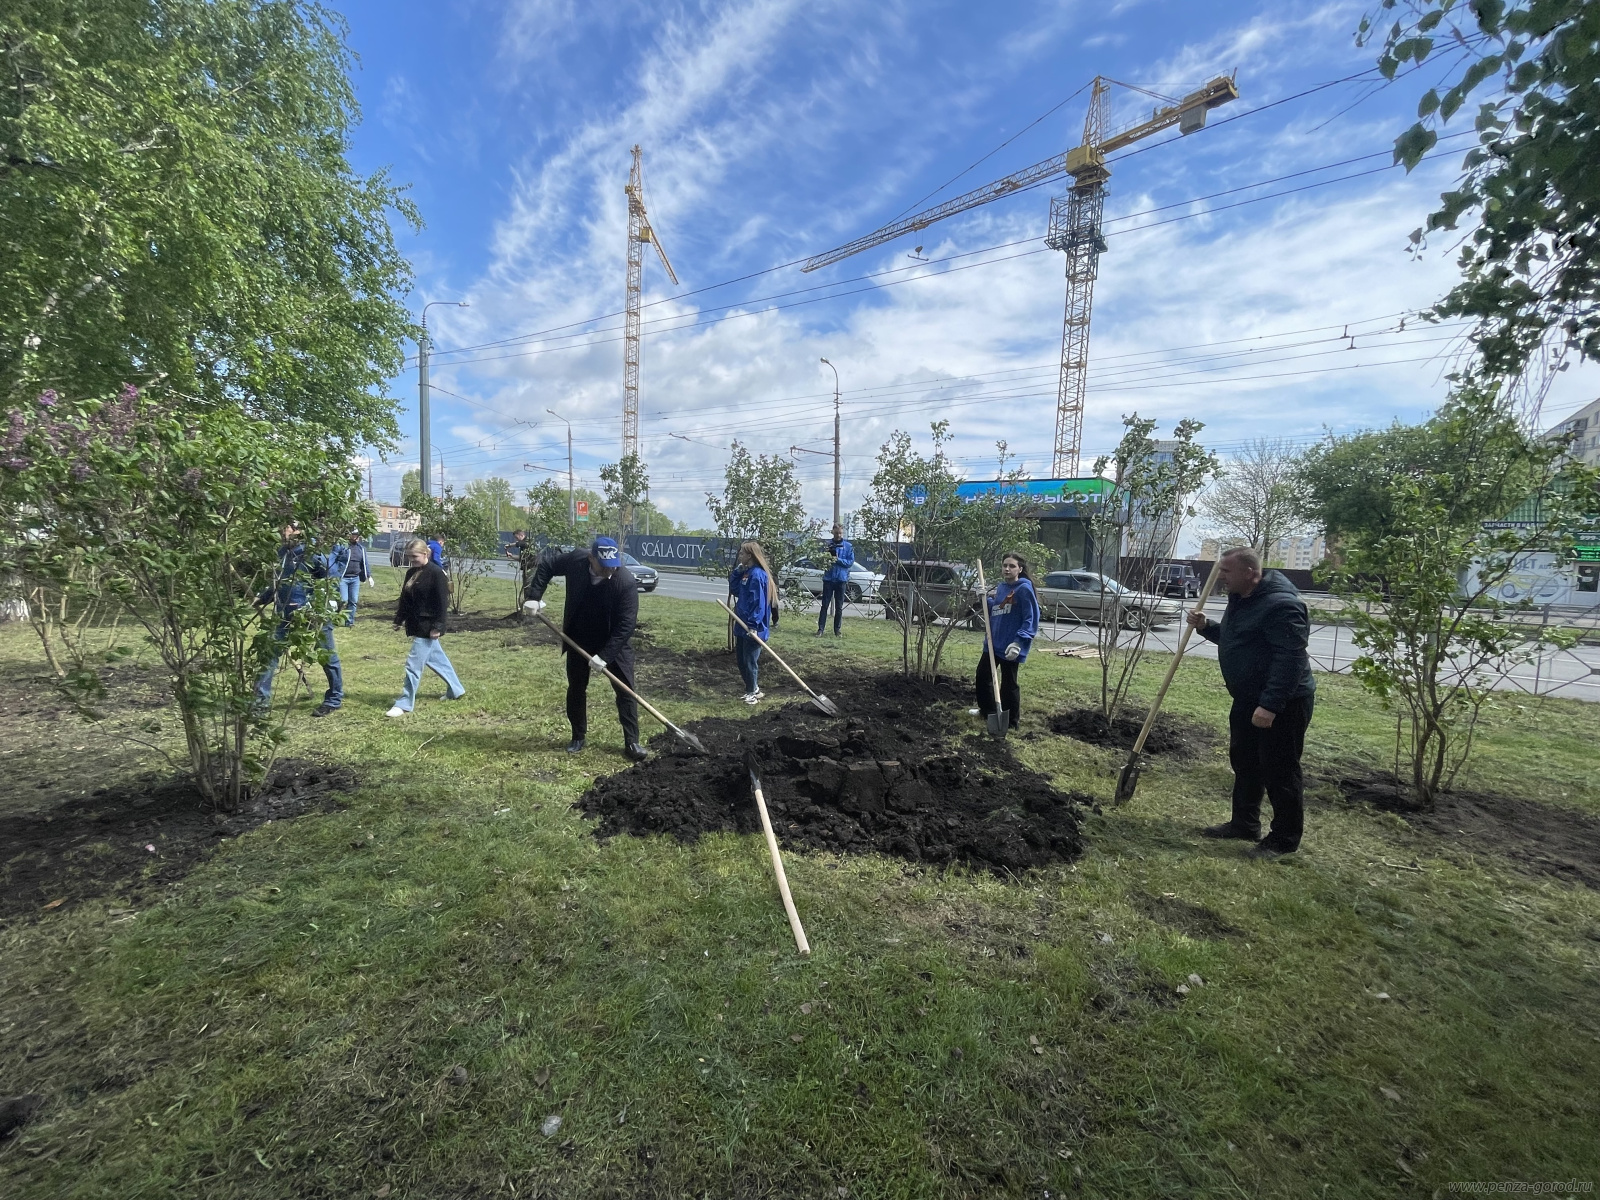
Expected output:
(424, 601)
(1261, 644)
(600, 617)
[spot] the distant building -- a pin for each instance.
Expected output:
(394, 519)
(1299, 553)
(1585, 426)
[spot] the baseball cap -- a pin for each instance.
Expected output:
(605, 550)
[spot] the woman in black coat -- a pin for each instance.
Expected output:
(424, 601)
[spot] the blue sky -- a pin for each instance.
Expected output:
(774, 129)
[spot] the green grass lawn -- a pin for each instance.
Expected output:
(287, 1021)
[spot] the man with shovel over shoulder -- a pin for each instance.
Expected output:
(602, 609)
(1261, 648)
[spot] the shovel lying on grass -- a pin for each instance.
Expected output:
(800, 942)
(683, 735)
(1128, 781)
(999, 719)
(821, 701)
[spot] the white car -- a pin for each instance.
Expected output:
(805, 574)
(1078, 594)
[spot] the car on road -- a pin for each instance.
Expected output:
(805, 575)
(941, 590)
(1084, 595)
(647, 576)
(1175, 579)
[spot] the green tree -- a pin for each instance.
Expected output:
(549, 515)
(1154, 484)
(465, 528)
(1254, 500)
(177, 203)
(1528, 269)
(498, 500)
(626, 483)
(760, 502)
(1420, 577)
(175, 517)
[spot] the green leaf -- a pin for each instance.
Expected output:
(1428, 103)
(1411, 145)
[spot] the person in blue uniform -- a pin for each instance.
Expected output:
(1013, 622)
(290, 592)
(348, 564)
(755, 598)
(834, 579)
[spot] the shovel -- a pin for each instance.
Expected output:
(999, 719)
(800, 942)
(1128, 781)
(683, 735)
(821, 701)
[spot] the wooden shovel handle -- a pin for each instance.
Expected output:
(572, 645)
(800, 942)
(1183, 644)
(988, 636)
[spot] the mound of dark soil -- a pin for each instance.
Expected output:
(123, 840)
(1542, 838)
(1171, 735)
(902, 772)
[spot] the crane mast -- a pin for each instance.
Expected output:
(1074, 227)
(639, 232)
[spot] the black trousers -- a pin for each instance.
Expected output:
(832, 592)
(578, 696)
(1010, 693)
(1268, 760)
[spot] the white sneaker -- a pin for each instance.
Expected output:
(396, 711)
(749, 697)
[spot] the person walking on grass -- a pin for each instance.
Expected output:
(348, 564)
(1261, 648)
(424, 601)
(601, 613)
(755, 598)
(1013, 623)
(290, 592)
(834, 580)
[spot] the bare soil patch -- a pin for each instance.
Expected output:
(123, 840)
(1541, 838)
(1171, 735)
(903, 771)
(1195, 920)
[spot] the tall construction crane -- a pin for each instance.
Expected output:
(639, 232)
(1074, 228)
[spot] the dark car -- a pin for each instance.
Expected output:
(648, 577)
(941, 589)
(1174, 579)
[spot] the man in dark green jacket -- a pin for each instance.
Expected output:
(1261, 648)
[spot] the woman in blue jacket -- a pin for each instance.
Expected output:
(1013, 622)
(755, 596)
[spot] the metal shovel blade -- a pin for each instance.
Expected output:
(824, 705)
(692, 742)
(999, 722)
(1128, 781)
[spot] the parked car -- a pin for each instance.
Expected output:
(1175, 579)
(1081, 594)
(805, 574)
(648, 577)
(941, 589)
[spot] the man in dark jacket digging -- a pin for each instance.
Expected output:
(601, 611)
(1261, 648)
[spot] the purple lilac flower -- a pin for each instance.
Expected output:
(48, 398)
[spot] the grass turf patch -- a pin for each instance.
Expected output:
(288, 1018)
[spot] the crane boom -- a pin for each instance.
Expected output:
(639, 232)
(1188, 114)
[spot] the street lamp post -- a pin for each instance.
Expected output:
(424, 459)
(572, 506)
(835, 371)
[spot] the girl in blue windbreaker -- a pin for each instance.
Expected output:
(755, 596)
(1013, 622)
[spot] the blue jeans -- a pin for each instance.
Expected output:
(832, 589)
(349, 597)
(748, 651)
(332, 698)
(428, 653)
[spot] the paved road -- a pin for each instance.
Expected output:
(1573, 674)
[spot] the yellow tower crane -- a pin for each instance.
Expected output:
(1074, 228)
(639, 232)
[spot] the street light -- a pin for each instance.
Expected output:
(835, 371)
(572, 506)
(422, 395)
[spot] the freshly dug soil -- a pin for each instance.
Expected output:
(903, 771)
(1170, 735)
(1539, 837)
(126, 839)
